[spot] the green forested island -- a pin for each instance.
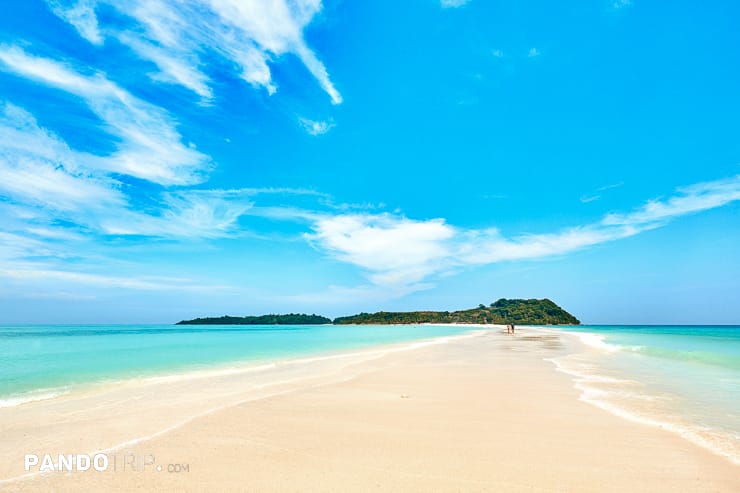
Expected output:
(503, 311)
(289, 319)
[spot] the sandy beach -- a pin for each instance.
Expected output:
(482, 413)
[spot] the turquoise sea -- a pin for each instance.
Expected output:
(685, 379)
(44, 361)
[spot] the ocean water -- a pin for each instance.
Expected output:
(43, 362)
(685, 379)
(679, 378)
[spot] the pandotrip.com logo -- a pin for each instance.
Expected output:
(99, 462)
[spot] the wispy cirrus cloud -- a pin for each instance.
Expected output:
(72, 209)
(453, 4)
(15, 247)
(404, 255)
(37, 168)
(596, 194)
(314, 127)
(178, 36)
(620, 4)
(203, 214)
(49, 182)
(81, 253)
(81, 15)
(42, 264)
(179, 69)
(145, 283)
(150, 147)
(687, 200)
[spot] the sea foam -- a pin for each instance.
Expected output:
(628, 398)
(40, 395)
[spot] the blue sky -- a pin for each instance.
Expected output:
(161, 160)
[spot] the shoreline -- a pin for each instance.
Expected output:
(214, 368)
(229, 370)
(695, 432)
(463, 355)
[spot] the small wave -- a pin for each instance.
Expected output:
(730, 361)
(195, 374)
(601, 379)
(705, 437)
(249, 367)
(718, 442)
(594, 392)
(42, 395)
(597, 341)
(590, 339)
(583, 372)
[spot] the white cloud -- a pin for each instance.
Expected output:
(36, 167)
(150, 147)
(81, 15)
(446, 4)
(60, 205)
(403, 254)
(497, 53)
(619, 4)
(52, 187)
(145, 283)
(596, 196)
(41, 173)
(41, 264)
(14, 247)
(490, 247)
(247, 33)
(275, 28)
(184, 214)
(182, 70)
(314, 127)
(533, 52)
(394, 250)
(689, 200)
(610, 186)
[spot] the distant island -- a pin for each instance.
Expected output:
(289, 319)
(503, 311)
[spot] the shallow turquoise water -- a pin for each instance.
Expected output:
(685, 379)
(682, 378)
(40, 361)
(696, 345)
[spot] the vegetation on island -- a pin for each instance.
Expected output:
(503, 311)
(289, 319)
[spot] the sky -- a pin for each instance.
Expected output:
(163, 160)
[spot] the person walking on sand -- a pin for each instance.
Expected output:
(512, 328)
